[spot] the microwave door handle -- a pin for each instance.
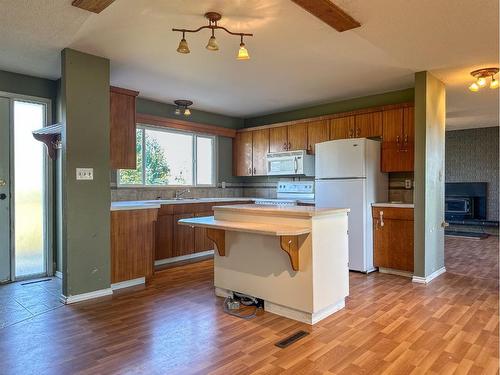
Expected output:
(296, 163)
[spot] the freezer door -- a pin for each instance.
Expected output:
(342, 158)
(348, 194)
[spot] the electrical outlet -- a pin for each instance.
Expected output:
(84, 173)
(408, 184)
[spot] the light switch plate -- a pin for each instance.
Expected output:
(84, 173)
(407, 184)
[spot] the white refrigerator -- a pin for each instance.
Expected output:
(348, 176)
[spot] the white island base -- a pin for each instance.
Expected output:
(294, 258)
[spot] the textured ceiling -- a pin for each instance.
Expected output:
(296, 59)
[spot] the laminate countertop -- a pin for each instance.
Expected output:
(157, 203)
(394, 205)
(270, 210)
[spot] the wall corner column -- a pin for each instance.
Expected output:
(430, 121)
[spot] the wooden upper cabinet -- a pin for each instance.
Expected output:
(260, 145)
(368, 125)
(278, 139)
(342, 127)
(242, 154)
(409, 125)
(122, 128)
(393, 125)
(317, 132)
(297, 137)
(398, 140)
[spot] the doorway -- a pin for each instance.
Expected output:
(24, 190)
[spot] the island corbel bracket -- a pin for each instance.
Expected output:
(218, 236)
(290, 244)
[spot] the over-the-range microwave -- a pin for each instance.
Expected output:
(288, 163)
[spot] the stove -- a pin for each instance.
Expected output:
(289, 193)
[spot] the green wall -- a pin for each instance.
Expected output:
(86, 204)
(27, 85)
(151, 107)
(392, 97)
(430, 116)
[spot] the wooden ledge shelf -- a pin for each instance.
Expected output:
(216, 231)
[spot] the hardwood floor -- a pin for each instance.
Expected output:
(176, 326)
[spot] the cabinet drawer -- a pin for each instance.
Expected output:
(393, 213)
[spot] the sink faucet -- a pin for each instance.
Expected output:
(180, 193)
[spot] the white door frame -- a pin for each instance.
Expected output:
(48, 188)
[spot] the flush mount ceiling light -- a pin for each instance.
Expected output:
(181, 106)
(481, 76)
(212, 45)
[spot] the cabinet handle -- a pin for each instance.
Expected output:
(285, 146)
(289, 146)
(358, 132)
(381, 214)
(249, 170)
(351, 133)
(255, 171)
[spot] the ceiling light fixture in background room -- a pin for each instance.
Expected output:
(481, 76)
(213, 18)
(182, 107)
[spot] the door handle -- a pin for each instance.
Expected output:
(3, 182)
(3, 196)
(444, 224)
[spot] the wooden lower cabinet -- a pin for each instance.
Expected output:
(393, 238)
(132, 244)
(174, 240)
(201, 241)
(183, 243)
(164, 237)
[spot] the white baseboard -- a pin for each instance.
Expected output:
(428, 279)
(302, 316)
(183, 257)
(86, 296)
(287, 312)
(58, 274)
(128, 283)
(392, 271)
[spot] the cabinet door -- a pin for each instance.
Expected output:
(122, 130)
(393, 244)
(260, 150)
(278, 139)
(201, 241)
(164, 237)
(242, 154)
(393, 125)
(408, 145)
(297, 137)
(342, 127)
(317, 132)
(183, 236)
(368, 125)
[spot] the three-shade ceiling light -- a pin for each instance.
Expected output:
(212, 45)
(481, 76)
(182, 106)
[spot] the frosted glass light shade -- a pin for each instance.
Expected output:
(183, 46)
(243, 53)
(212, 44)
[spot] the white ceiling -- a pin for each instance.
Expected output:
(296, 60)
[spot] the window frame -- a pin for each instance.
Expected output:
(194, 137)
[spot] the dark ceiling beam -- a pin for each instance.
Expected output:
(329, 13)
(95, 6)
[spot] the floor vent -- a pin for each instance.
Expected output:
(291, 339)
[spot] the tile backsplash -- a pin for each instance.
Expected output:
(397, 190)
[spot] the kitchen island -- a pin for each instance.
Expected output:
(294, 258)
